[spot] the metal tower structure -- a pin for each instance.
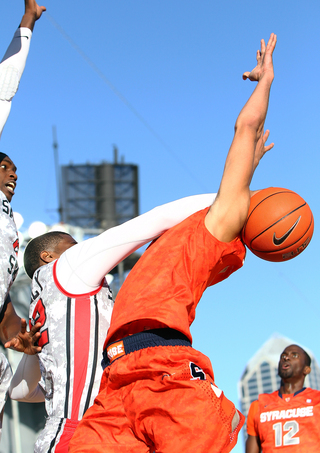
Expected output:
(99, 196)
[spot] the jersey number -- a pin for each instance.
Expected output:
(287, 439)
(39, 315)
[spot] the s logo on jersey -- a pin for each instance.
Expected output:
(6, 208)
(196, 372)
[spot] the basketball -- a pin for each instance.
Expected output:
(279, 225)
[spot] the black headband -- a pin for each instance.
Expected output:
(2, 156)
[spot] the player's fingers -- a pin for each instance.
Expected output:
(263, 46)
(11, 343)
(258, 56)
(272, 42)
(34, 329)
(36, 337)
(267, 148)
(266, 135)
(23, 325)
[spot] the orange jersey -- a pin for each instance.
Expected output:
(165, 286)
(290, 423)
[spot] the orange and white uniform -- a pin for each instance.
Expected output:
(288, 423)
(73, 303)
(157, 393)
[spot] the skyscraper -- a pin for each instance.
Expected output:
(261, 372)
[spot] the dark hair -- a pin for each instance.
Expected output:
(37, 245)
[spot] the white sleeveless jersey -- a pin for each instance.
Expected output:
(9, 246)
(72, 335)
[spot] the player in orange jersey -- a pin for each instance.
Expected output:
(157, 393)
(286, 420)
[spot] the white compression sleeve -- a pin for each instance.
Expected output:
(24, 385)
(82, 267)
(11, 69)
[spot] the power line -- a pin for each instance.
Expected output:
(124, 100)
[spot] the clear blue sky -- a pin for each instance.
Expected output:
(178, 65)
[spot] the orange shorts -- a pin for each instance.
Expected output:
(160, 399)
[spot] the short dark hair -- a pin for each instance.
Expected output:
(36, 246)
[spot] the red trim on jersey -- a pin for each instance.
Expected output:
(81, 350)
(60, 288)
(68, 430)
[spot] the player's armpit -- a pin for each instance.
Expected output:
(225, 220)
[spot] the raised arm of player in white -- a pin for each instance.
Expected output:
(82, 267)
(11, 69)
(25, 382)
(13, 63)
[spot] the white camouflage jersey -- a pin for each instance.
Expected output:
(5, 379)
(9, 246)
(72, 335)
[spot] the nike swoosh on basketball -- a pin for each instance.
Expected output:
(279, 241)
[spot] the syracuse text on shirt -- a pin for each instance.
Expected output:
(286, 414)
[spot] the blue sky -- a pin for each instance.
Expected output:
(161, 80)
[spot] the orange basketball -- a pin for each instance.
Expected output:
(279, 225)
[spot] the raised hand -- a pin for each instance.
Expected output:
(32, 13)
(264, 60)
(25, 341)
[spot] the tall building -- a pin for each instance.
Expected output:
(261, 372)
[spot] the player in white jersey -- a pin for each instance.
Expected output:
(72, 301)
(11, 69)
(9, 242)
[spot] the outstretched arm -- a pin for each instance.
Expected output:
(13, 63)
(228, 213)
(81, 268)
